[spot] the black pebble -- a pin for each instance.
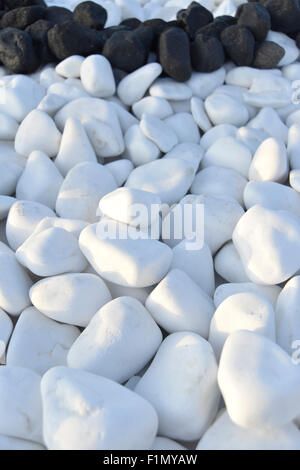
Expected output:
(132, 23)
(17, 52)
(58, 15)
(71, 38)
(125, 51)
(194, 17)
(285, 15)
(239, 44)
(38, 32)
(90, 14)
(11, 4)
(267, 55)
(158, 26)
(255, 17)
(207, 53)
(217, 26)
(174, 54)
(22, 17)
(108, 32)
(145, 34)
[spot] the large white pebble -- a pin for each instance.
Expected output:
(188, 151)
(251, 137)
(203, 84)
(6, 327)
(133, 87)
(70, 298)
(70, 67)
(287, 316)
(199, 114)
(139, 148)
(244, 311)
(170, 90)
(51, 103)
(223, 434)
(160, 107)
(39, 343)
(82, 189)
(128, 262)
(177, 303)
(22, 219)
(216, 133)
(219, 182)
(53, 251)
(228, 264)
(259, 382)
(97, 76)
(20, 403)
(119, 341)
(223, 291)
(181, 384)
(169, 179)
(37, 132)
(120, 169)
(159, 132)
(83, 411)
(268, 121)
(272, 196)
(224, 109)
(228, 152)
(131, 206)
(75, 147)
(40, 181)
(70, 225)
(184, 127)
(268, 243)
(270, 162)
(14, 285)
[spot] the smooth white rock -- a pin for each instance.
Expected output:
(185, 127)
(270, 162)
(139, 148)
(67, 91)
(223, 291)
(224, 109)
(169, 179)
(6, 327)
(199, 114)
(181, 384)
(74, 148)
(216, 133)
(19, 95)
(97, 76)
(294, 180)
(53, 251)
(268, 90)
(37, 132)
(287, 316)
(133, 87)
(228, 152)
(259, 382)
(39, 343)
(164, 443)
(170, 90)
(82, 189)
(48, 75)
(188, 151)
(10, 173)
(293, 147)
(228, 264)
(203, 84)
(14, 285)
(20, 403)
(120, 169)
(244, 76)
(160, 107)
(119, 341)
(70, 298)
(83, 411)
(272, 195)
(243, 311)
(22, 219)
(101, 123)
(288, 44)
(251, 137)
(8, 127)
(177, 303)
(158, 132)
(51, 104)
(268, 243)
(70, 67)
(219, 182)
(5, 204)
(40, 180)
(197, 264)
(70, 225)
(223, 434)
(130, 206)
(269, 122)
(128, 262)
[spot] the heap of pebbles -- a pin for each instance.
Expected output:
(161, 341)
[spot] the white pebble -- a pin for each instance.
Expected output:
(160, 107)
(223, 109)
(224, 291)
(187, 151)
(199, 114)
(133, 87)
(159, 132)
(139, 148)
(184, 127)
(203, 84)
(228, 264)
(70, 67)
(170, 90)
(120, 169)
(272, 195)
(270, 162)
(97, 76)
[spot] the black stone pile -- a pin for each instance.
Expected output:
(33, 34)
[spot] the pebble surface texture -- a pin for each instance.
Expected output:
(149, 225)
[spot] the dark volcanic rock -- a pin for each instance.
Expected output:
(71, 38)
(285, 15)
(267, 55)
(38, 32)
(58, 15)
(17, 52)
(255, 17)
(90, 14)
(132, 23)
(207, 53)
(217, 26)
(11, 4)
(22, 17)
(194, 17)
(174, 54)
(239, 44)
(125, 51)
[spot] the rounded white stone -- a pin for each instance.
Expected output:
(97, 76)
(216, 133)
(203, 84)
(270, 162)
(70, 225)
(224, 109)
(188, 151)
(251, 137)
(268, 121)
(120, 169)
(170, 90)
(139, 148)
(199, 114)
(184, 127)
(70, 67)
(133, 87)
(270, 293)
(228, 264)
(160, 107)
(159, 132)
(52, 103)
(272, 196)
